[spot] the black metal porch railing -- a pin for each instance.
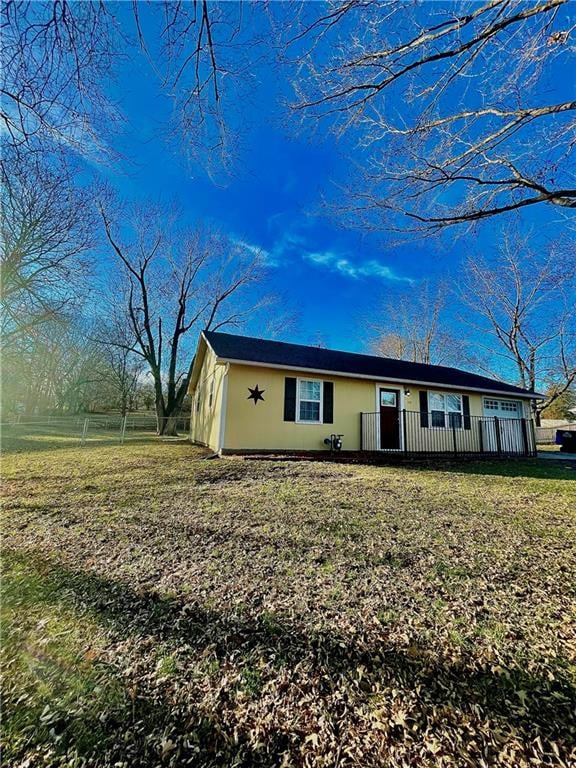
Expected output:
(415, 432)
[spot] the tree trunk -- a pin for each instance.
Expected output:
(166, 420)
(167, 428)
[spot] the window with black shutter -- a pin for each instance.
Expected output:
(328, 402)
(466, 411)
(289, 399)
(423, 408)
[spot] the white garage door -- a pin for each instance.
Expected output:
(502, 425)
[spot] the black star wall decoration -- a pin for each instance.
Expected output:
(255, 394)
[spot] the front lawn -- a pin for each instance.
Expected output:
(164, 610)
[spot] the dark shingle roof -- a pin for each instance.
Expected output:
(279, 353)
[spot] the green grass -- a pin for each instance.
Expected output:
(160, 609)
(54, 666)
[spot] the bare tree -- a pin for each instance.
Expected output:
(207, 66)
(525, 303)
(55, 58)
(447, 101)
(176, 282)
(55, 369)
(122, 369)
(58, 56)
(414, 325)
(47, 233)
(62, 368)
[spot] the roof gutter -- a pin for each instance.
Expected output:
(523, 394)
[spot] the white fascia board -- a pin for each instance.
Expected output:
(210, 347)
(342, 374)
(198, 365)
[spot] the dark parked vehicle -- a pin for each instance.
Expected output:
(566, 439)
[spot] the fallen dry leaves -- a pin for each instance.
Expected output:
(244, 613)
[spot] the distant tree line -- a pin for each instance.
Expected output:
(60, 369)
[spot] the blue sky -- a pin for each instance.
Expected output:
(331, 278)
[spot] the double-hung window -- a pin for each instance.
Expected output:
(446, 410)
(309, 403)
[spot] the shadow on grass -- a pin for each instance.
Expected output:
(330, 661)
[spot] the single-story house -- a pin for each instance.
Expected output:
(254, 395)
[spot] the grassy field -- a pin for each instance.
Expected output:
(164, 610)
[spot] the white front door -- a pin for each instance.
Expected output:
(502, 425)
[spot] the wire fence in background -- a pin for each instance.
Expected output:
(86, 429)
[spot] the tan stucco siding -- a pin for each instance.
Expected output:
(251, 426)
(207, 403)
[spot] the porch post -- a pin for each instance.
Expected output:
(525, 437)
(498, 435)
(534, 450)
(404, 433)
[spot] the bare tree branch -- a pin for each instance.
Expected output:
(46, 235)
(524, 300)
(55, 58)
(414, 325)
(474, 137)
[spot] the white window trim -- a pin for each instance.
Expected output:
(321, 409)
(447, 424)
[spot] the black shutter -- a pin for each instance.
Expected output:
(466, 410)
(328, 404)
(289, 399)
(423, 408)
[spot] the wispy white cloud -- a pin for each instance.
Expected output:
(264, 255)
(285, 245)
(250, 247)
(322, 258)
(290, 245)
(338, 262)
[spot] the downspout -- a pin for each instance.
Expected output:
(223, 411)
